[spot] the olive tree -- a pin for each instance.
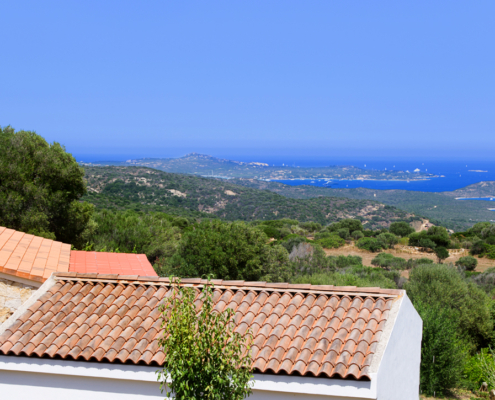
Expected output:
(204, 357)
(442, 254)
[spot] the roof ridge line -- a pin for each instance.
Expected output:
(198, 282)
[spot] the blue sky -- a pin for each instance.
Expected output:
(323, 78)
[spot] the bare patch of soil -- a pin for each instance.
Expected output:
(351, 250)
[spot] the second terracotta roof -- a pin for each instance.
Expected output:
(110, 263)
(35, 258)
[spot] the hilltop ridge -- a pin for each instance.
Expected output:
(210, 166)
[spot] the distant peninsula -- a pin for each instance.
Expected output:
(208, 166)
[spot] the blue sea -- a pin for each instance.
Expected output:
(455, 174)
(452, 175)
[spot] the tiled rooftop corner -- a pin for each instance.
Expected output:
(304, 330)
(31, 257)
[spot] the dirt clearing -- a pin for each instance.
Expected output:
(351, 250)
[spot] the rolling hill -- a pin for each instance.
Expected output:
(441, 208)
(147, 189)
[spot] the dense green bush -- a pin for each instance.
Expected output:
(226, 251)
(271, 232)
(155, 234)
(350, 224)
(355, 275)
(370, 244)
(469, 263)
(442, 351)
(310, 226)
(401, 229)
(480, 368)
(482, 229)
(413, 263)
(331, 242)
(389, 240)
(388, 262)
(440, 285)
(345, 261)
(356, 235)
(490, 251)
(436, 236)
(344, 233)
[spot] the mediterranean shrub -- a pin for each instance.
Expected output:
(389, 240)
(443, 286)
(401, 229)
(370, 244)
(225, 251)
(442, 351)
(480, 368)
(469, 263)
(331, 242)
(388, 262)
(356, 235)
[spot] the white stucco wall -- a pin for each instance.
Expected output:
(42, 379)
(398, 373)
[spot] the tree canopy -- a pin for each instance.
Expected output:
(401, 228)
(227, 251)
(443, 286)
(40, 188)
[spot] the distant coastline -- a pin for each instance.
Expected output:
(485, 198)
(354, 180)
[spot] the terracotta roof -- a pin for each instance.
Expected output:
(110, 263)
(35, 258)
(307, 330)
(31, 257)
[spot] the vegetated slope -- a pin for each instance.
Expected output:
(204, 165)
(441, 208)
(480, 189)
(147, 189)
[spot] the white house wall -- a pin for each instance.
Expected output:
(16, 385)
(398, 373)
(24, 378)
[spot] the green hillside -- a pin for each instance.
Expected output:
(146, 189)
(441, 208)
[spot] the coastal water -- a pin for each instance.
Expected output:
(452, 175)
